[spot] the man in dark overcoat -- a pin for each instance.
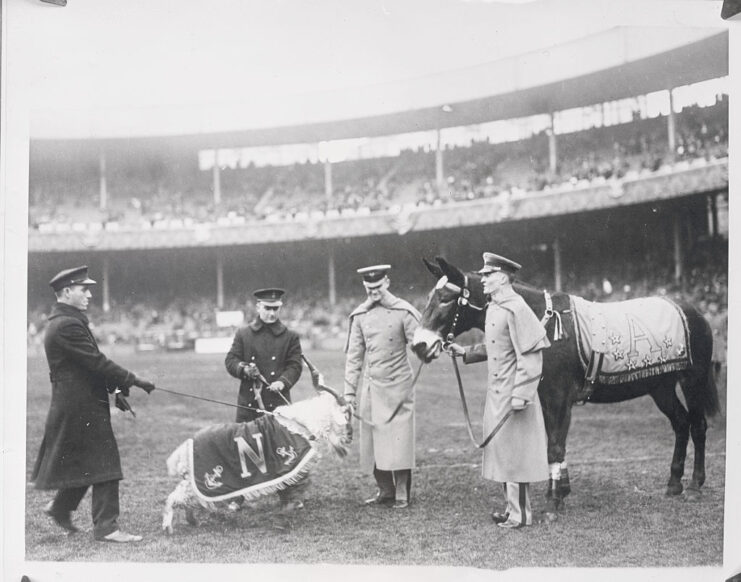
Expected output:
(266, 358)
(78, 449)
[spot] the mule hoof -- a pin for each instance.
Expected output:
(674, 489)
(693, 495)
(550, 517)
(553, 505)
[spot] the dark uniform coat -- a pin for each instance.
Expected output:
(78, 447)
(378, 338)
(276, 351)
(515, 340)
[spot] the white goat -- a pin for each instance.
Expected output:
(323, 418)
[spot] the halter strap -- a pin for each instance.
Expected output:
(549, 313)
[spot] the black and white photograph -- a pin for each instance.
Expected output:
(413, 289)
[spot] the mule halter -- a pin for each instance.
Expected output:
(463, 300)
(464, 294)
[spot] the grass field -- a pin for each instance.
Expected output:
(616, 516)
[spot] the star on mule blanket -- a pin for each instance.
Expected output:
(249, 459)
(639, 338)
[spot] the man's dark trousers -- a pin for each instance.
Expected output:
(105, 505)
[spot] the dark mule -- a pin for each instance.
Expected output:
(460, 307)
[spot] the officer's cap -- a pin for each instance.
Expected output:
(373, 276)
(270, 297)
(494, 263)
(69, 277)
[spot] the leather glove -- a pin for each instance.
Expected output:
(518, 403)
(123, 391)
(251, 371)
(145, 385)
(277, 386)
(456, 350)
(123, 404)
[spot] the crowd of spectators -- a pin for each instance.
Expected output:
(177, 323)
(175, 193)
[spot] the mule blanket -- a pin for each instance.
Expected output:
(249, 459)
(639, 338)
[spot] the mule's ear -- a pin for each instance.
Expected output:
(453, 273)
(432, 268)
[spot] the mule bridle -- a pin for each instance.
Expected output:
(462, 301)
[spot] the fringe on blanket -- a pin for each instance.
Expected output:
(623, 377)
(262, 489)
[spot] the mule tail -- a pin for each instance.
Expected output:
(709, 396)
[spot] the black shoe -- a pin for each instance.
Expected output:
(499, 517)
(379, 499)
(63, 521)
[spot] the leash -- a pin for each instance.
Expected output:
(399, 406)
(214, 401)
(258, 393)
(496, 429)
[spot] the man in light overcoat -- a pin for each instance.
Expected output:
(380, 329)
(515, 340)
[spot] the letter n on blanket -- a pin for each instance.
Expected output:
(249, 459)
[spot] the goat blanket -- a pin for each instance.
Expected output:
(639, 338)
(248, 459)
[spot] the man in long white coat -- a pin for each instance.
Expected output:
(380, 329)
(515, 339)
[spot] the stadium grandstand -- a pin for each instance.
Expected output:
(608, 183)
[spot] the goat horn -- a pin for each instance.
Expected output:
(314, 371)
(340, 399)
(322, 387)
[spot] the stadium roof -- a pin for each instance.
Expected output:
(246, 73)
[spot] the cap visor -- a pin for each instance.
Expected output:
(373, 285)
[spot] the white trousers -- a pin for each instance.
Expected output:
(518, 502)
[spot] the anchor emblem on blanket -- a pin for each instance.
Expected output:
(212, 480)
(287, 453)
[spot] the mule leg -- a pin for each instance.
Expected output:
(666, 399)
(698, 430)
(698, 427)
(557, 417)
